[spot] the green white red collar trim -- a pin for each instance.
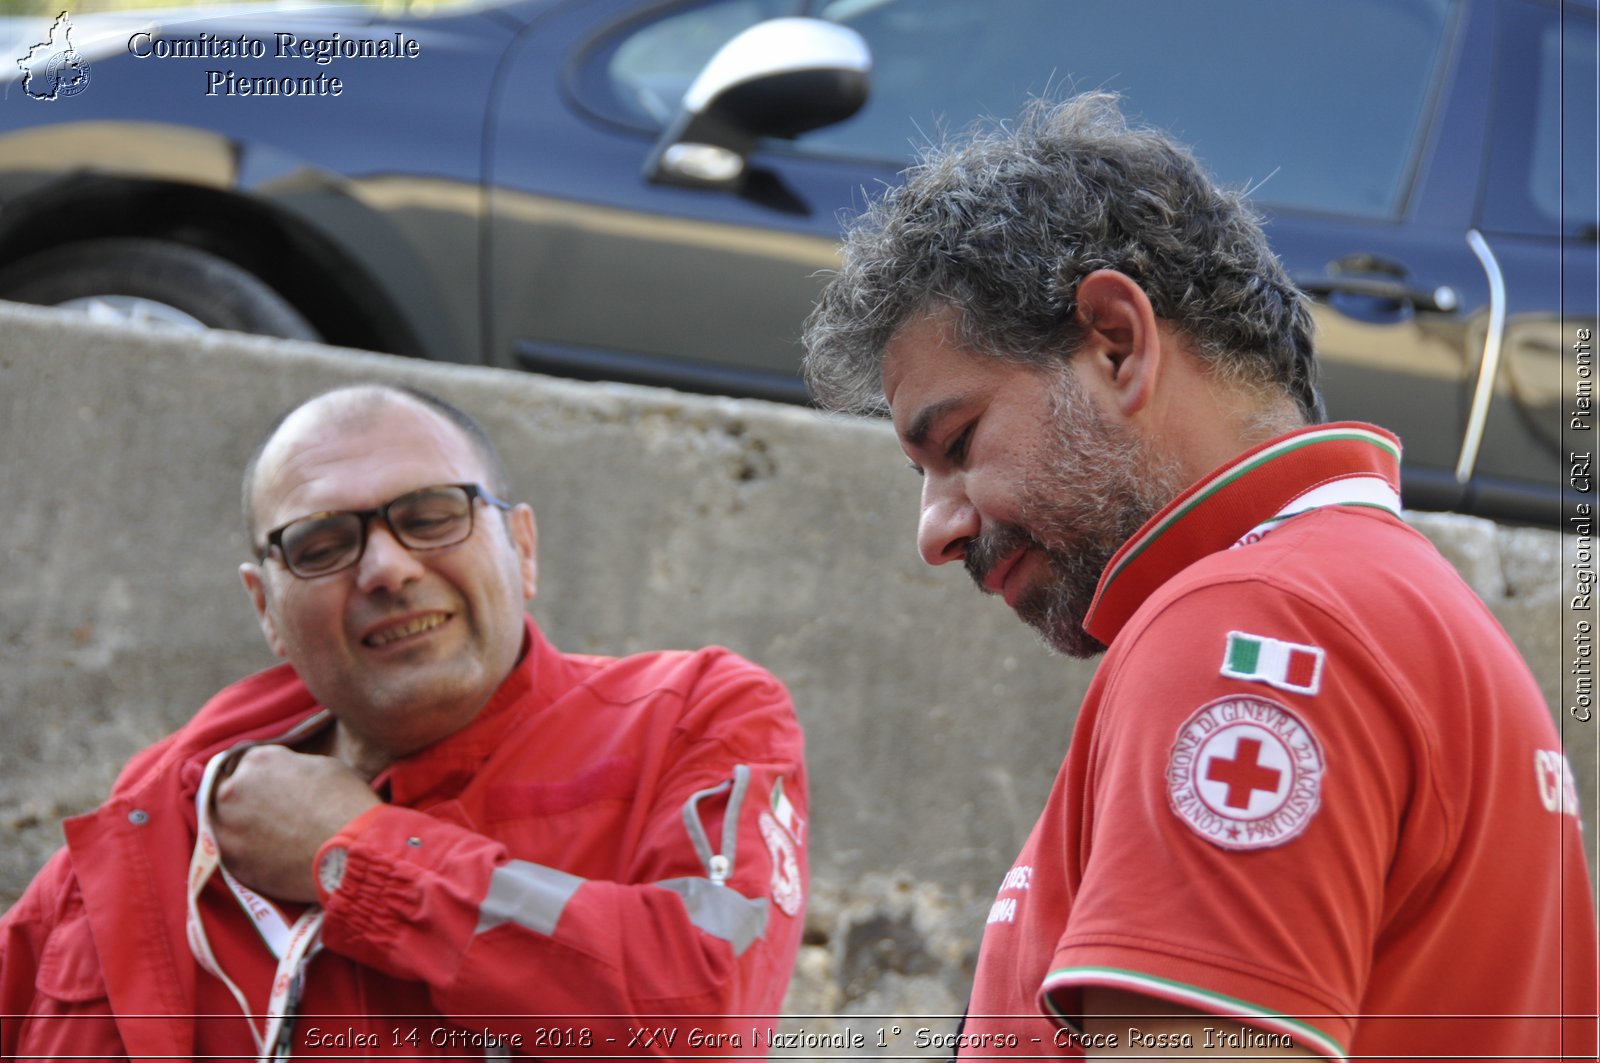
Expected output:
(1336, 464)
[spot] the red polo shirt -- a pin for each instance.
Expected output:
(1313, 787)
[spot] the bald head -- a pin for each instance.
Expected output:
(353, 410)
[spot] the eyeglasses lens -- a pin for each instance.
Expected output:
(317, 545)
(437, 516)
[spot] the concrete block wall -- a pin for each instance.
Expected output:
(935, 723)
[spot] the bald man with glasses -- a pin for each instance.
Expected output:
(429, 833)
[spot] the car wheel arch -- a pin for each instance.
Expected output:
(258, 234)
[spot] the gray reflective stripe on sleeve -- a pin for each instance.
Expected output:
(691, 823)
(730, 821)
(527, 894)
(718, 865)
(721, 911)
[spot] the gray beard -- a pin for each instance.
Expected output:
(1097, 486)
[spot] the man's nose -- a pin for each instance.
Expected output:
(386, 564)
(948, 520)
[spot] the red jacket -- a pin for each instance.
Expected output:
(536, 878)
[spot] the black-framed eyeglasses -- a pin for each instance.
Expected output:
(429, 518)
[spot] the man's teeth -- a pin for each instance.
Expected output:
(420, 624)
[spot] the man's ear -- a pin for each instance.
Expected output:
(255, 587)
(525, 537)
(1122, 350)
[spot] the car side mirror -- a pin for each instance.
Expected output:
(779, 78)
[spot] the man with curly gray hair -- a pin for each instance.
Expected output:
(1297, 810)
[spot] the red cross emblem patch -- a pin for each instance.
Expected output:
(1245, 773)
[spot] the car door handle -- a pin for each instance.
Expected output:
(1489, 364)
(1440, 300)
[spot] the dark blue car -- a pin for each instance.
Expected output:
(580, 188)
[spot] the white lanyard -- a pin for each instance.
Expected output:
(292, 945)
(1352, 490)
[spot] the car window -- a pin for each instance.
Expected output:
(1313, 104)
(1543, 170)
(1321, 105)
(650, 69)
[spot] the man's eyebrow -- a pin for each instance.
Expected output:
(916, 435)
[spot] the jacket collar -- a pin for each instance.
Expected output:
(1345, 463)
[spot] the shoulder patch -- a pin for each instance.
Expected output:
(787, 892)
(1245, 773)
(1292, 666)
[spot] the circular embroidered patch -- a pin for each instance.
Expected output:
(1245, 773)
(786, 892)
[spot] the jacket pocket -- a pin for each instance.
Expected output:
(69, 966)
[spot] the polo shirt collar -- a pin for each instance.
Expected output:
(1345, 463)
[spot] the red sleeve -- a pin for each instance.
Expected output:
(23, 931)
(52, 994)
(703, 919)
(1245, 800)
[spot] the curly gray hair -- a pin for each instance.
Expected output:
(1003, 227)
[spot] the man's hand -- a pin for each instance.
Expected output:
(274, 812)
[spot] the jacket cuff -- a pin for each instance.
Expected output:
(409, 887)
(328, 866)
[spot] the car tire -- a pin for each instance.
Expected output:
(154, 282)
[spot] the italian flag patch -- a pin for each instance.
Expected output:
(783, 811)
(1286, 665)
